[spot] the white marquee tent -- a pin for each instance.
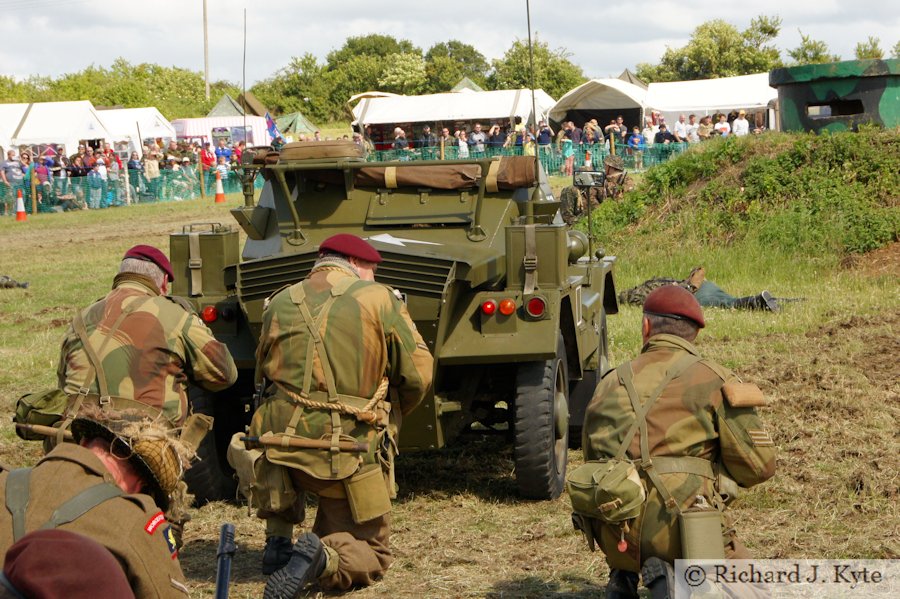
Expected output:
(709, 96)
(450, 107)
(10, 117)
(602, 99)
(64, 123)
(133, 125)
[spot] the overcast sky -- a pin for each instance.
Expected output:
(52, 37)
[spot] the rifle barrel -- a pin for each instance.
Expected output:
(226, 551)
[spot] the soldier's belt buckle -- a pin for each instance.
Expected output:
(84, 391)
(530, 262)
(105, 401)
(195, 263)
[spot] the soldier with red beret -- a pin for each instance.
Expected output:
(699, 441)
(331, 349)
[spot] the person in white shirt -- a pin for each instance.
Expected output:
(741, 126)
(681, 130)
(649, 131)
(692, 128)
(723, 128)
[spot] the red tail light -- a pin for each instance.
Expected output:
(209, 314)
(489, 307)
(536, 307)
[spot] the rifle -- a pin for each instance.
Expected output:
(224, 555)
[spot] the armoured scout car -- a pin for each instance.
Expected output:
(510, 300)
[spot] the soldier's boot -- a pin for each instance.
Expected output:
(307, 563)
(659, 578)
(622, 585)
(276, 555)
(763, 301)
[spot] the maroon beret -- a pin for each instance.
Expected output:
(46, 564)
(148, 253)
(674, 302)
(351, 246)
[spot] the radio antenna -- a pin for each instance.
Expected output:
(538, 192)
(244, 76)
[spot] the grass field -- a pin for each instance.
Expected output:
(828, 364)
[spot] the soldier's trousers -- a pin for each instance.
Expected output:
(364, 549)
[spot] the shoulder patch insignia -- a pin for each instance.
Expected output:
(169, 536)
(760, 438)
(154, 522)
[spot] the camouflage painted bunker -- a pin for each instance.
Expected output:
(838, 96)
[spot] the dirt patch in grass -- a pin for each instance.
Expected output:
(881, 262)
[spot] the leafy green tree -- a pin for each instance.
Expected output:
(301, 86)
(369, 45)
(553, 71)
(446, 63)
(896, 51)
(718, 49)
(811, 51)
(403, 74)
(870, 48)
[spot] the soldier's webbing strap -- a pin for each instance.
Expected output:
(94, 365)
(626, 378)
(530, 261)
(490, 181)
(195, 264)
(18, 494)
(316, 346)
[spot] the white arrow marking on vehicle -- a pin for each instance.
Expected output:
(388, 238)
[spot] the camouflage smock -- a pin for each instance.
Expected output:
(690, 418)
(367, 335)
(132, 527)
(157, 351)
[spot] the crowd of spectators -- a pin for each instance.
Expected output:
(560, 150)
(99, 177)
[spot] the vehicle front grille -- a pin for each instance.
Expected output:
(415, 275)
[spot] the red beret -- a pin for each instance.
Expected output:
(675, 302)
(148, 253)
(351, 246)
(59, 563)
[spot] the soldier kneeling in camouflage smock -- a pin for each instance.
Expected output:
(332, 347)
(699, 438)
(111, 486)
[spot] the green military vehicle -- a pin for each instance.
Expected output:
(510, 300)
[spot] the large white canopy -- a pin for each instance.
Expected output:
(456, 106)
(10, 117)
(136, 124)
(708, 96)
(597, 95)
(61, 123)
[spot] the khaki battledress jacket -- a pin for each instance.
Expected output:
(156, 351)
(367, 335)
(690, 418)
(132, 527)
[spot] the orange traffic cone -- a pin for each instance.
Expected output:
(20, 207)
(220, 191)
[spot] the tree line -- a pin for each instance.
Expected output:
(320, 90)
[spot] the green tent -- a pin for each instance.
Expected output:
(294, 123)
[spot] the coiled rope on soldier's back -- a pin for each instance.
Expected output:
(364, 414)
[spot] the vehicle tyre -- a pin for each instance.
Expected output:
(541, 426)
(210, 478)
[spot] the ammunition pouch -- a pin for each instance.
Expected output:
(608, 490)
(44, 408)
(367, 494)
(272, 489)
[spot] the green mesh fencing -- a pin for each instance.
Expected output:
(91, 193)
(552, 159)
